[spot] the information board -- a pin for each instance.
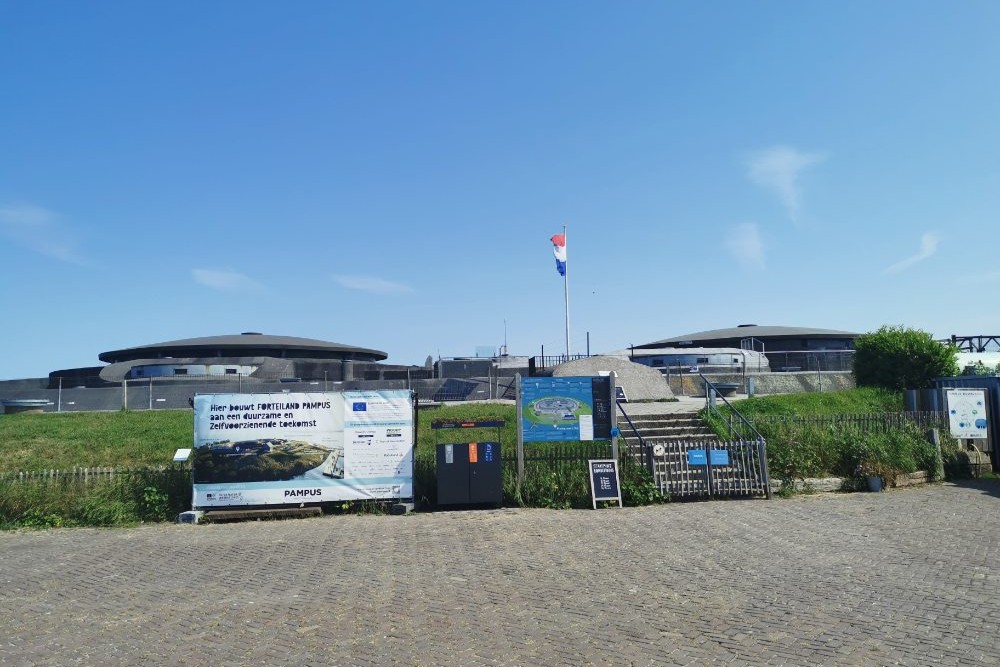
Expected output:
(604, 480)
(266, 449)
(967, 413)
(566, 408)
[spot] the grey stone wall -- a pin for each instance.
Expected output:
(767, 383)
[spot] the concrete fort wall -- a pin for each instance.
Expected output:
(766, 383)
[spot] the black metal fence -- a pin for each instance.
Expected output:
(865, 423)
(884, 421)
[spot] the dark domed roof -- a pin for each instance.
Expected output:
(243, 345)
(751, 331)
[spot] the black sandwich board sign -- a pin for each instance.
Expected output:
(604, 480)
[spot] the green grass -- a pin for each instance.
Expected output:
(30, 442)
(864, 400)
(427, 438)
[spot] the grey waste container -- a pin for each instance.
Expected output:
(469, 473)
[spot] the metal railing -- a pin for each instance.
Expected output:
(550, 361)
(884, 421)
(809, 360)
(639, 452)
(172, 393)
(711, 392)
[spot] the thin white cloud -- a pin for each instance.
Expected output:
(744, 243)
(40, 230)
(225, 280)
(372, 285)
(777, 169)
(928, 246)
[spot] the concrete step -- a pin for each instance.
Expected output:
(685, 426)
(678, 418)
(663, 423)
(677, 434)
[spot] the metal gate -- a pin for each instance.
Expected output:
(710, 469)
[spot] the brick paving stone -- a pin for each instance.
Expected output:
(907, 577)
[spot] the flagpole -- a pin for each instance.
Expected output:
(566, 294)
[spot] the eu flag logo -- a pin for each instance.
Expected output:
(360, 407)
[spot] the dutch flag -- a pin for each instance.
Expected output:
(559, 250)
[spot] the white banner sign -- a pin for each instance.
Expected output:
(267, 449)
(967, 413)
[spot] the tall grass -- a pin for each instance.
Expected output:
(801, 450)
(122, 499)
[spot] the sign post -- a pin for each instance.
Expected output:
(604, 480)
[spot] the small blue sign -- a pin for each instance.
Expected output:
(360, 407)
(697, 457)
(488, 454)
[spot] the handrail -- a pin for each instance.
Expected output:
(642, 443)
(551, 360)
(710, 386)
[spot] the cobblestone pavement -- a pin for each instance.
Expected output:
(903, 578)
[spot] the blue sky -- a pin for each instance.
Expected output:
(388, 174)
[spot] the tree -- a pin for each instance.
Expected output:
(901, 358)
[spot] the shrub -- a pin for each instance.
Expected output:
(901, 358)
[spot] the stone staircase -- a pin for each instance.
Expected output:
(676, 426)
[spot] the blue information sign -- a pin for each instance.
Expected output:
(698, 457)
(552, 409)
(720, 457)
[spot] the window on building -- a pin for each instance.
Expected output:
(230, 371)
(702, 360)
(180, 371)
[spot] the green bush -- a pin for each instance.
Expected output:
(638, 486)
(901, 358)
(798, 452)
